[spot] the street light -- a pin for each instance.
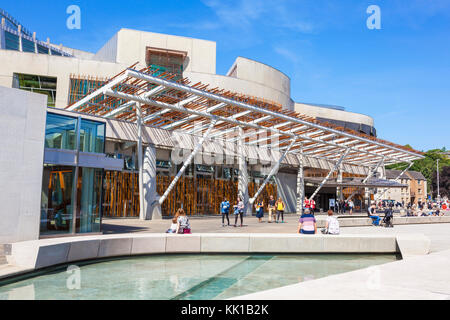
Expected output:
(438, 193)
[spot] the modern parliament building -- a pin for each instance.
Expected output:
(145, 126)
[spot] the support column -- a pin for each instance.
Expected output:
(330, 173)
(339, 190)
(272, 172)
(151, 205)
(380, 195)
(188, 161)
(140, 160)
(243, 174)
(300, 183)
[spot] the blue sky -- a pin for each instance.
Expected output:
(399, 75)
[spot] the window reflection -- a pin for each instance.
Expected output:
(89, 196)
(56, 201)
(92, 136)
(60, 132)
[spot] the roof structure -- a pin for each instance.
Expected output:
(357, 183)
(166, 104)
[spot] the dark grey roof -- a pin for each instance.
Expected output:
(416, 175)
(393, 174)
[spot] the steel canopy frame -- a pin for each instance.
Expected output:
(182, 104)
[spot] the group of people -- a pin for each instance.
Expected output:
(238, 211)
(343, 206)
(276, 211)
(308, 224)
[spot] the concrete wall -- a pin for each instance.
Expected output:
(22, 132)
(53, 66)
(132, 44)
(270, 78)
(109, 51)
(243, 86)
(321, 112)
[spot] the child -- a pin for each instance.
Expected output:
(183, 225)
(173, 226)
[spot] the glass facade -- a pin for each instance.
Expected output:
(57, 199)
(12, 33)
(71, 201)
(89, 195)
(92, 136)
(60, 132)
(27, 45)
(37, 84)
(11, 41)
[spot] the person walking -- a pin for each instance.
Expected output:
(280, 210)
(307, 223)
(272, 209)
(239, 212)
(312, 204)
(225, 210)
(351, 205)
(260, 210)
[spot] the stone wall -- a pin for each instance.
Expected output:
(22, 133)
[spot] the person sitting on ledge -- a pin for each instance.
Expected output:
(183, 225)
(374, 216)
(173, 226)
(332, 225)
(307, 223)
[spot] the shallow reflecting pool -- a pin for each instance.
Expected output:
(184, 277)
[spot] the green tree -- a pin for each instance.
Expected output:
(427, 165)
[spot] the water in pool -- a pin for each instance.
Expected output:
(185, 277)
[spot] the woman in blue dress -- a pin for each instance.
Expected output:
(260, 210)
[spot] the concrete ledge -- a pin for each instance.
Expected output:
(32, 255)
(361, 222)
(412, 245)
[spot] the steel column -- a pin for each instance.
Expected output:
(140, 161)
(396, 179)
(371, 173)
(330, 173)
(300, 183)
(272, 172)
(188, 161)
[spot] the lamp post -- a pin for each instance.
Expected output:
(438, 193)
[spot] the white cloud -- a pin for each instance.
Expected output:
(287, 54)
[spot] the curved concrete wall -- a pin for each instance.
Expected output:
(327, 113)
(243, 86)
(44, 253)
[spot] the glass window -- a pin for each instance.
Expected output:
(11, 41)
(92, 136)
(56, 200)
(42, 49)
(60, 132)
(27, 45)
(38, 84)
(55, 53)
(89, 200)
(165, 60)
